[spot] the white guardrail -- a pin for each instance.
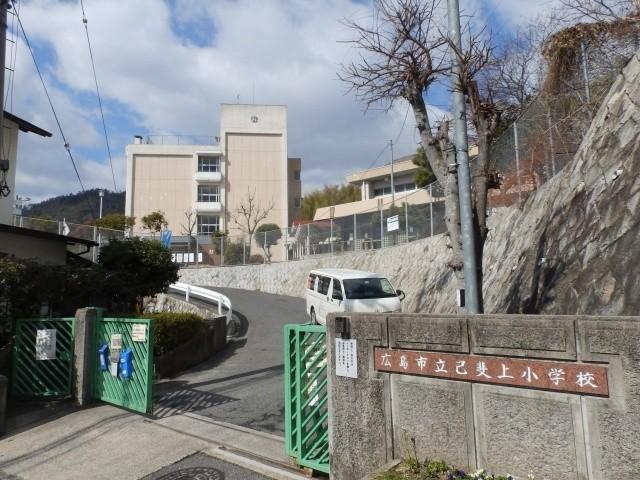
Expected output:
(206, 294)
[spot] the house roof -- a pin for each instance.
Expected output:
(50, 236)
(25, 126)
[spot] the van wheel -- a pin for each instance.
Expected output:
(314, 320)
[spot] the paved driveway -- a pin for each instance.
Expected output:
(242, 385)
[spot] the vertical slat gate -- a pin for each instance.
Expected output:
(135, 393)
(31, 377)
(306, 408)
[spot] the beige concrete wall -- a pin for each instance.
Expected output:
(415, 197)
(163, 182)
(41, 249)
(10, 145)
(254, 168)
(255, 146)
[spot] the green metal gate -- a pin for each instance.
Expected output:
(305, 395)
(135, 393)
(42, 358)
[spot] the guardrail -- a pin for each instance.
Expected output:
(206, 294)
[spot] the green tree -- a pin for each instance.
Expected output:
(116, 221)
(155, 221)
(424, 175)
(135, 269)
(327, 196)
(266, 236)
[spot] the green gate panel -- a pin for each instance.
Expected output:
(306, 396)
(31, 377)
(135, 393)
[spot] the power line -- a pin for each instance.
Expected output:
(55, 115)
(95, 79)
(378, 157)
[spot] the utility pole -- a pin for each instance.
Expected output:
(101, 195)
(471, 298)
(393, 187)
(4, 6)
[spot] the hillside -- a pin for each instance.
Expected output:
(76, 207)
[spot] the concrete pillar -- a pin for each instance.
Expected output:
(4, 386)
(84, 353)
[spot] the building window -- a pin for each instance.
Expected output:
(208, 193)
(297, 202)
(208, 224)
(296, 174)
(208, 163)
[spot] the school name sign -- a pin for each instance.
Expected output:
(581, 378)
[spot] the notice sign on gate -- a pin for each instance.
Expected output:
(46, 344)
(346, 358)
(139, 332)
(393, 223)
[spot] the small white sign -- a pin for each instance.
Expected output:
(139, 332)
(393, 223)
(116, 341)
(346, 358)
(46, 344)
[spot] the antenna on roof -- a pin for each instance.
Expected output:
(238, 98)
(253, 92)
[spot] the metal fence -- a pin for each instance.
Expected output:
(306, 396)
(388, 225)
(545, 137)
(102, 236)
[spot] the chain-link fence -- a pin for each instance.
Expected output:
(545, 137)
(391, 223)
(102, 236)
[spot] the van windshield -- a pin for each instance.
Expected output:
(361, 288)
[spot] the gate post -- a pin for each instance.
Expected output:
(84, 353)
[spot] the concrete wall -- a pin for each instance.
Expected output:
(162, 177)
(378, 416)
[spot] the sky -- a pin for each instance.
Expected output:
(164, 67)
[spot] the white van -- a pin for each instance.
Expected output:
(342, 290)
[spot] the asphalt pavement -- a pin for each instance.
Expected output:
(242, 385)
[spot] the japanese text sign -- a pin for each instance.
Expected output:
(346, 358)
(586, 379)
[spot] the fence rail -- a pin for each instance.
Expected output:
(191, 290)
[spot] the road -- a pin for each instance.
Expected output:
(242, 385)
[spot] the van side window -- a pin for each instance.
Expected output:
(323, 285)
(337, 290)
(311, 281)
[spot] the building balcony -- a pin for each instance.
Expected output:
(208, 177)
(208, 207)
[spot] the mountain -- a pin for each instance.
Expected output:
(77, 207)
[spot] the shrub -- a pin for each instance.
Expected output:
(136, 269)
(171, 330)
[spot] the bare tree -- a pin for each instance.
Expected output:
(401, 56)
(249, 214)
(600, 10)
(189, 228)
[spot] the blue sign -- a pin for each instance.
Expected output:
(165, 238)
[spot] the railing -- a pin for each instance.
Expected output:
(184, 139)
(206, 294)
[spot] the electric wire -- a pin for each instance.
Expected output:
(95, 79)
(55, 115)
